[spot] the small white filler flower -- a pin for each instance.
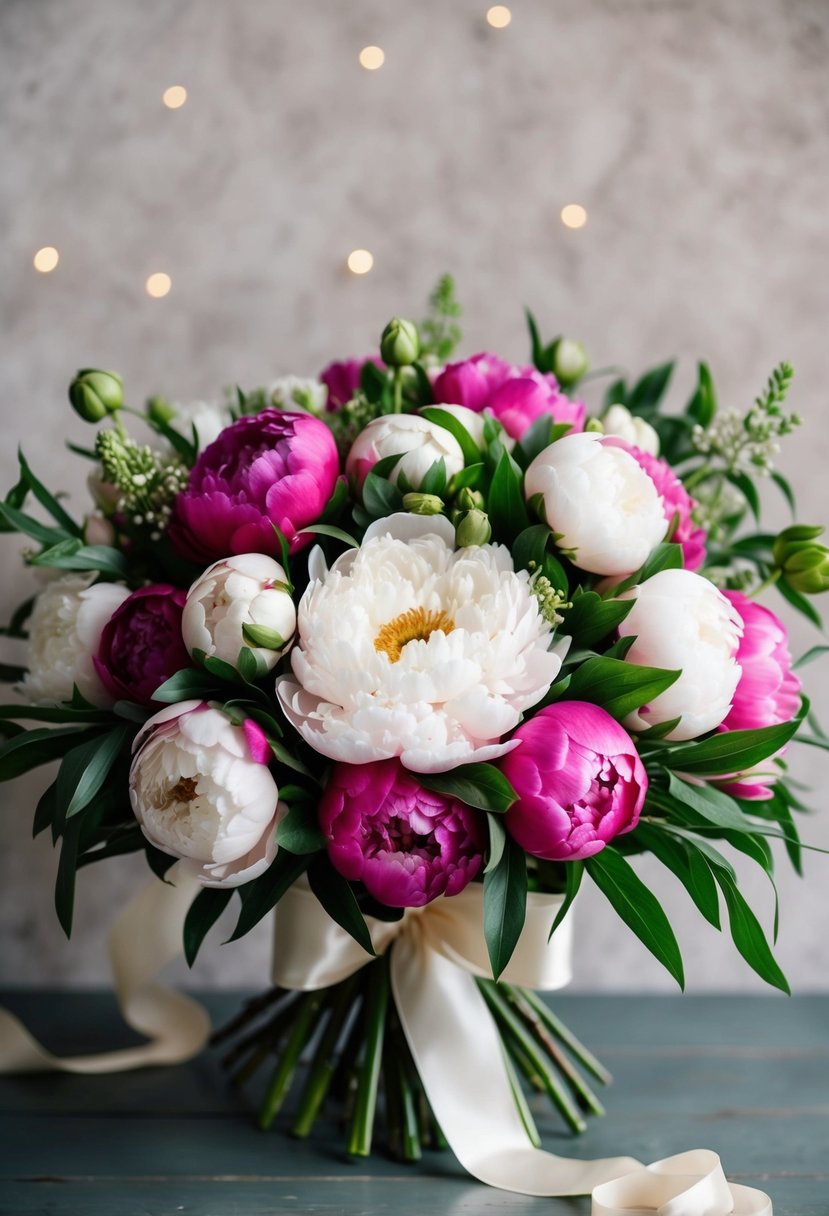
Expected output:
(409, 648)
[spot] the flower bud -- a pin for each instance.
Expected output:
(422, 504)
(97, 530)
(804, 564)
(594, 426)
(94, 394)
(473, 529)
(469, 500)
(568, 361)
(160, 411)
(399, 344)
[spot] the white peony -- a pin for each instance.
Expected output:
(201, 791)
(620, 422)
(603, 506)
(472, 422)
(207, 417)
(418, 442)
(298, 392)
(408, 648)
(65, 629)
(681, 621)
(250, 589)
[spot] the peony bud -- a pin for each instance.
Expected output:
(640, 434)
(94, 394)
(240, 602)
(473, 529)
(97, 530)
(803, 564)
(160, 410)
(469, 500)
(568, 361)
(423, 504)
(400, 343)
(418, 442)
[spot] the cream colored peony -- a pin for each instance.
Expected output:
(418, 442)
(247, 590)
(681, 621)
(64, 633)
(640, 434)
(201, 791)
(408, 648)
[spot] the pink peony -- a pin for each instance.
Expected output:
(342, 379)
(676, 503)
(141, 645)
(579, 781)
(768, 691)
(406, 844)
(272, 468)
(516, 396)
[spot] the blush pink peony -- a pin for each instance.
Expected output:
(406, 844)
(579, 781)
(271, 468)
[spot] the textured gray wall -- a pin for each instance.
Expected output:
(695, 134)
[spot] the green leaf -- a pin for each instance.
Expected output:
(748, 935)
(265, 892)
(534, 440)
(618, 686)
(72, 555)
(712, 804)
(85, 768)
(703, 404)
(124, 840)
(479, 785)
(219, 668)
(251, 666)
(434, 479)
(261, 635)
(26, 751)
(332, 531)
(45, 810)
(730, 751)
(687, 865)
(644, 398)
(574, 873)
(799, 603)
(10, 674)
(638, 907)
(497, 841)
(809, 657)
(299, 832)
(748, 489)
(21, 614)
(202, 915)
(61, 517)
(380, 497)
(505, 905)
(189, 684)
(158, 862)
(372, 380)
(786, 490)
(538, 353)
(505, 503)
(592, 618)
(470, 449)
(337, 898)
(65, 880)
(17, 521)
(666, 556)
(530, 546)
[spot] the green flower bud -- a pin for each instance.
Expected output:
(803, 564)
(568, 360)
(159, 410)
(400, 343)
(422, 504)
(469, 500)
(473, 529)
(94, 394)
(594, 425)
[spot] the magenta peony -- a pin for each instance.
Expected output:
(342, 379)
(579, 781)
(272, 468)
(516, 396)
(141, 645)
(406, 844)
(677, 504)
(768, 691)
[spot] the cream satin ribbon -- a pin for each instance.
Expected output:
(145, 937)
(438, 950)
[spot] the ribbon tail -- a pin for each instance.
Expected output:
(145, 937)
(458, 1054)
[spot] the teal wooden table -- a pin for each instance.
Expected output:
(745, 1076)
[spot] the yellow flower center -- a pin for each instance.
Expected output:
(417, 624)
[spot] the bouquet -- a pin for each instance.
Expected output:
(410, 650)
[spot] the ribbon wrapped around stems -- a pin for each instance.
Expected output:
(438, 950)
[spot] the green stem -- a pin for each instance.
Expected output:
(699, 475)
(377, 1000)
(311, 1007)
(521, 1102)
(582, 1092)
(767, 582)
(324, 1061)
(510, 1021)
(270, 1033)
(411, 1130)
(565, 1036)
(250, 1010)
(397, 386)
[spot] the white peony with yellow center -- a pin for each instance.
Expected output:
(409, 648)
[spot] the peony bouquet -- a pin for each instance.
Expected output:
(407, 652)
